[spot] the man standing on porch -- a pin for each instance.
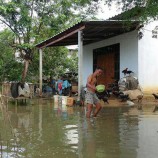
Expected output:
(91, 97)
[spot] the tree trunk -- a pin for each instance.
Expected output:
(24, 73)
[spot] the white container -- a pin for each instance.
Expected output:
(64, 103)
(64, 108)
(56, 105)
(56, 99)
(64, 100)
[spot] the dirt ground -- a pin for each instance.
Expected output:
(148, 104)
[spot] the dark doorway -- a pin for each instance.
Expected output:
(107, 58)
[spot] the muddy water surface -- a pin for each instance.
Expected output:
(40, 129)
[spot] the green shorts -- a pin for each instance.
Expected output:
(91, 98)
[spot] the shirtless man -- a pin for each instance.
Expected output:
(91, 97)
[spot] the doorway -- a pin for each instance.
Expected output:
(107, 58)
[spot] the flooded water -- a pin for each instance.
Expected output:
(40, 129)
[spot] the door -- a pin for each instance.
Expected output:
(107, 58)
(107, 62)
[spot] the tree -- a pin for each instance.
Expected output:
(32, 21)
(9, 68)
(143, 9)
(55, 62)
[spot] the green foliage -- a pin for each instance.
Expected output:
(32, 21)
(142, 9)
(55, 63)
(10, 69)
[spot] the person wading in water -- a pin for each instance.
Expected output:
(91, 97)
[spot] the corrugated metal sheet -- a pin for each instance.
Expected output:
(93, 31)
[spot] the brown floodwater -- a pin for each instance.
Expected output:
(40, 129)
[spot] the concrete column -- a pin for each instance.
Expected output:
(40, 70)
(80, 63)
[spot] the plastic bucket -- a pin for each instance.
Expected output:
(64, 100)
(64, 103)
(56, 99)
(55, 106)
(64, 108)
(70, 101)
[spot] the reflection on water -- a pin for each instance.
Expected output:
(46, 130)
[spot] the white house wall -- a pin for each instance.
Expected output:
(128, 53)
(148, 59)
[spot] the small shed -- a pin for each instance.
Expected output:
(114, 46)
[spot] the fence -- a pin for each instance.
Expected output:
(6, 86)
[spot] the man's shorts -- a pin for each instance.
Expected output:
(91, 98)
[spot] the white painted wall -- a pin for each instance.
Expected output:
(87, 63)
(128, 53)
(148, 59)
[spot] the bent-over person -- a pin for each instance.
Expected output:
(91, 97)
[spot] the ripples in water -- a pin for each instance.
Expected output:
(42, 130)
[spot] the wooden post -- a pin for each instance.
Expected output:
(80, 62)
(40, 70)
(40, 122)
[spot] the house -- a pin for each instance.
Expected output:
(113, 46)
